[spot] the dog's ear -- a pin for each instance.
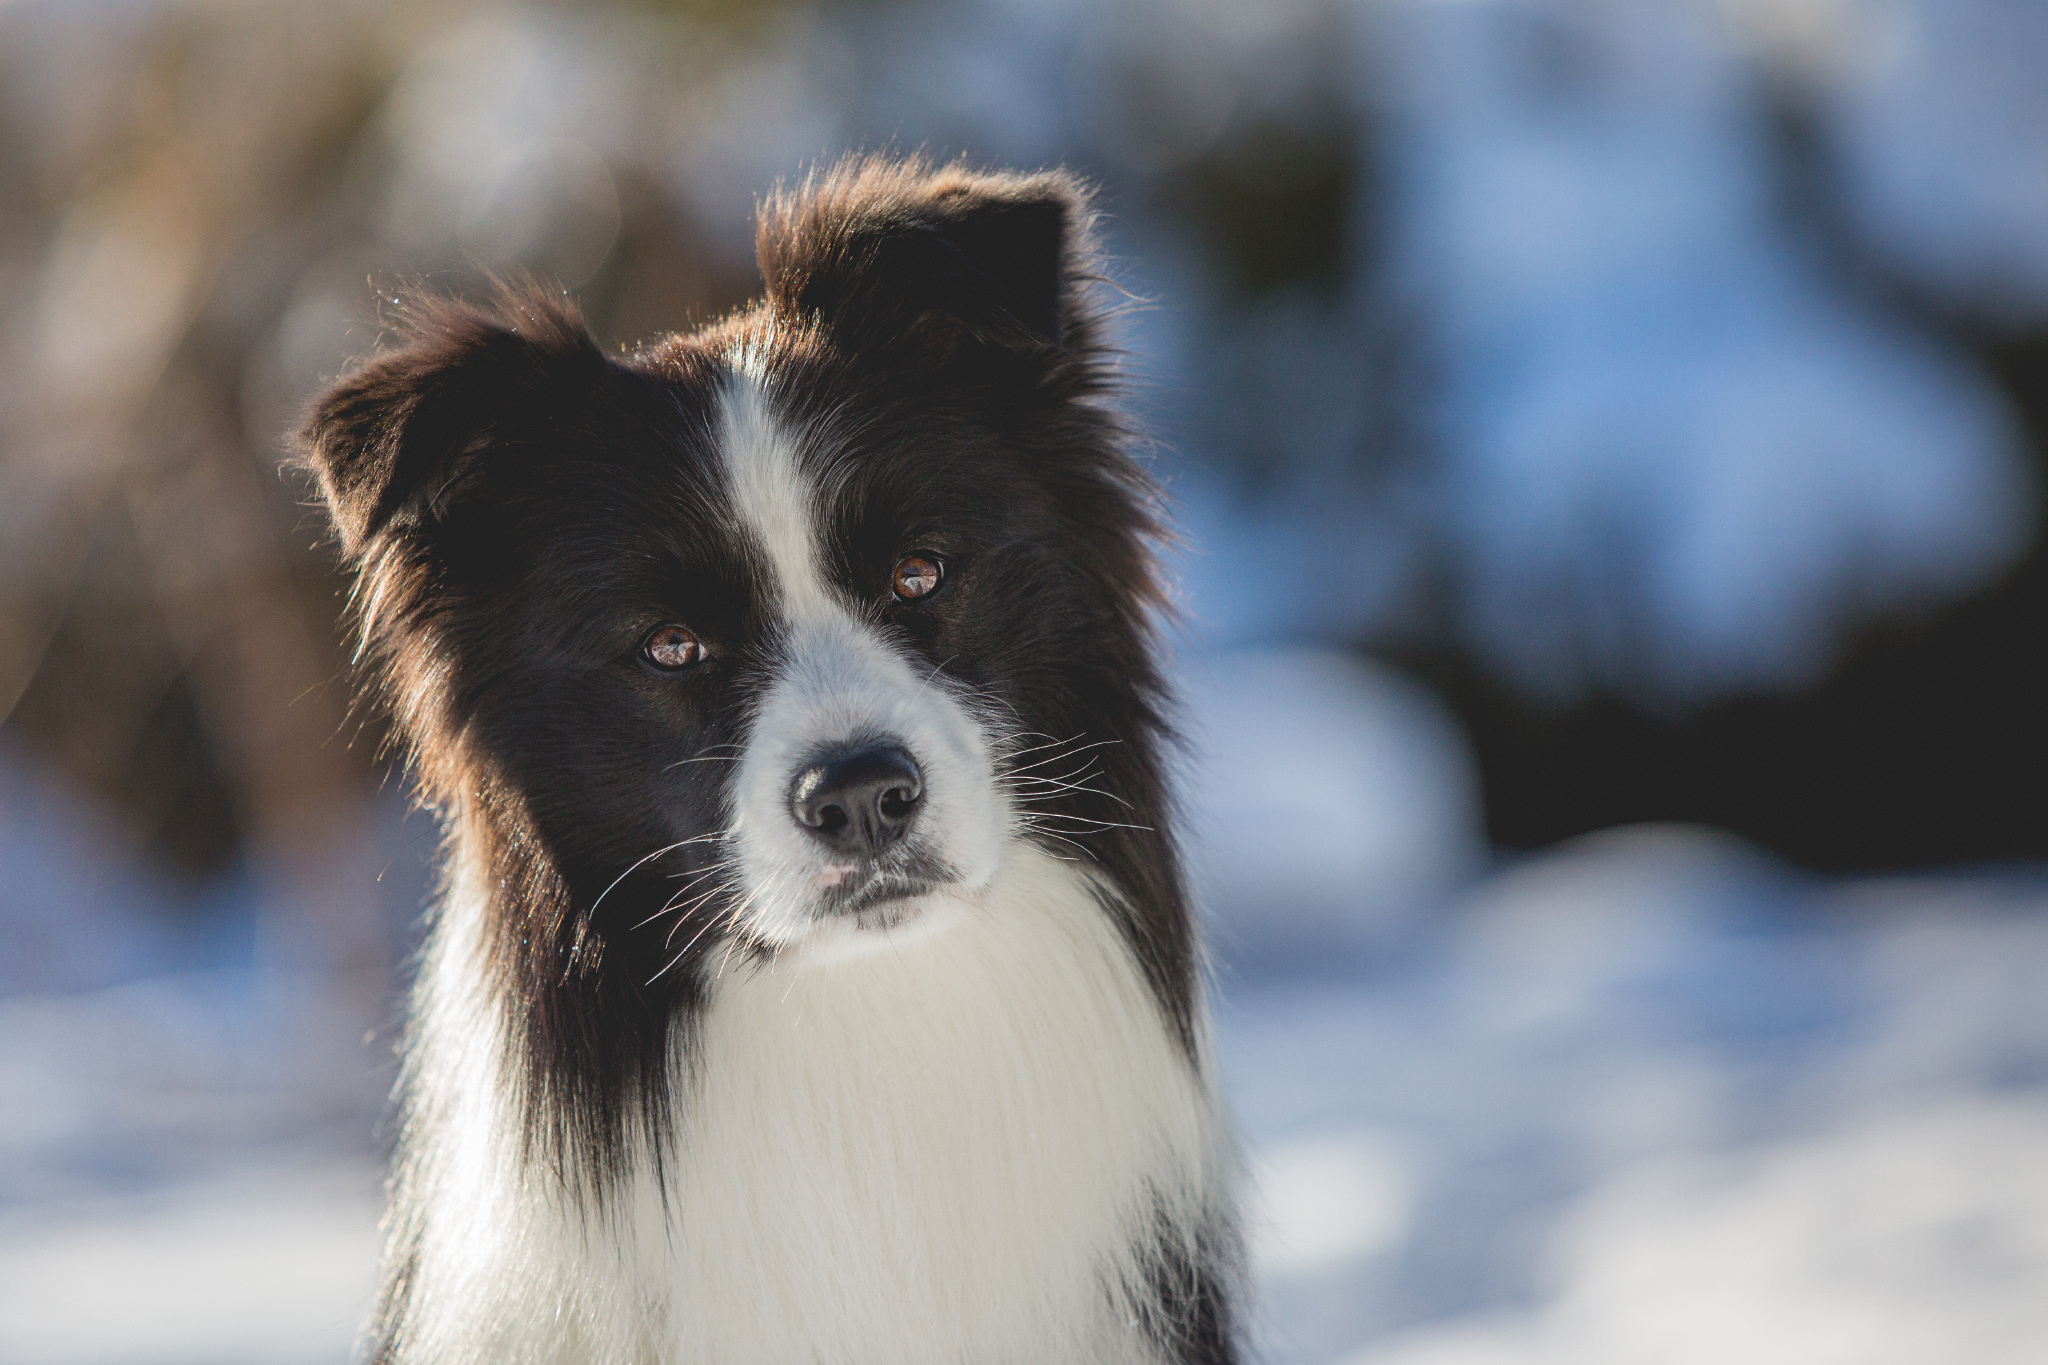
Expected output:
(880, 251)
(387, 442)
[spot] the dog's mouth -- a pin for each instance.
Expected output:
(877, 893)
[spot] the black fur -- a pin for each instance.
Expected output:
(523, 509)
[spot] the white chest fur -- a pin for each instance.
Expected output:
(943, 1149)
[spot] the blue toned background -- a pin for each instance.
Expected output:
(1607, 441)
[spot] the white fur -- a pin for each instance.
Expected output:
(766, 480)
(944, 1152)
(941, 1153)
(509, 1271)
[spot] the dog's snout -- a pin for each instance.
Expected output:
(859, 803)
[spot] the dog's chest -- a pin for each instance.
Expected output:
(958, 1149)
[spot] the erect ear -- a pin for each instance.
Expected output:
(877, 249)
(387, 441)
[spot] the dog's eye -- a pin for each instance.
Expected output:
(917, 577)
(672, 647)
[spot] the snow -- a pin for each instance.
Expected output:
(1328, 1199)
(1330, 801)
(1910, 1239)
(268, 1267)
(1653, 1098)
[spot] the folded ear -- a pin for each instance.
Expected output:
(388, 441)
(879, 249)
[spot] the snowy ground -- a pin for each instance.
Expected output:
(1648, 1097)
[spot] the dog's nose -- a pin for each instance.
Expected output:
(859, 803)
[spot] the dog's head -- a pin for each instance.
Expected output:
(782, 630)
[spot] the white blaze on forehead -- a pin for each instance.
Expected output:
(774, 498)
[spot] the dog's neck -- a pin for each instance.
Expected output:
(864, 1148)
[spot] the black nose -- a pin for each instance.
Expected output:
(859, 803)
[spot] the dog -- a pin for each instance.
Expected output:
(813, 978)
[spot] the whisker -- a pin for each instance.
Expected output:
(678, 901)
(1055, 758)
(1065, 840)
(1031, 788)
(631, 870)
(728, 920)
(681, 891)
(702, 930)
(1036, 734)
(690, 879)
(1088, 821)
(699, 758)
(928, 678)
(1049, 743)
(738, 913)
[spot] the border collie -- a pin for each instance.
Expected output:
(814, 979)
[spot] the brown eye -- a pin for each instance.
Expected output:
(671, 648)
(917, 577)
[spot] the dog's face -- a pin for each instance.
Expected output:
(782, 632)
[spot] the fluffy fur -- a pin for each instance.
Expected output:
(686, 1081)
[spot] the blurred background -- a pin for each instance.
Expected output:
(1609, 440)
